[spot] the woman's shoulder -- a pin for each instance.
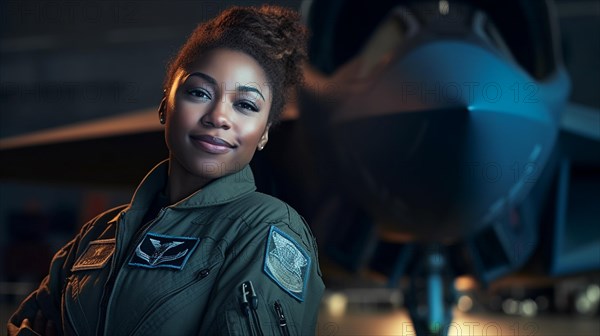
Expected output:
(102, 220)
(261, 199)
(257, 210)
(267, 206)
(272, 217)
(108, 215)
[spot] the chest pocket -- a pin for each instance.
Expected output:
(175, 295)
(82, 295)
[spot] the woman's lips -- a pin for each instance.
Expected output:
(211, 144)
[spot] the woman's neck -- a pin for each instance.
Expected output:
(181, 183)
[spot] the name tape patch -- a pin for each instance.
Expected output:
(156, 250)
(96, 255)
(287, 263)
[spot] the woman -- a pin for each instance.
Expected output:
(198, 251)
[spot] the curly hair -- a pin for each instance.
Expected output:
(272, 35)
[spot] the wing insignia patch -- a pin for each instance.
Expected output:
(156, 251)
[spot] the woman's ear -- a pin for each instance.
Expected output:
(264, 138)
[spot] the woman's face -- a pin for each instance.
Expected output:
(217, 114)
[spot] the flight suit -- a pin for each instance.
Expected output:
(227, 260)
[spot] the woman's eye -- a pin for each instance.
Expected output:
(247, 106)
(200, 93)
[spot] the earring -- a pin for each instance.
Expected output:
(260, 147)
(161, 108)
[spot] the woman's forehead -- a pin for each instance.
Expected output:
(229, 65)
(227, 69)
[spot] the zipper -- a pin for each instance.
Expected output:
(100, 326)
(201, 275)
(249, 305)
(283, 326)
(69, 316)
(112, 276)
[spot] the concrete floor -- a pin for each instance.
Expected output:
(397, 322)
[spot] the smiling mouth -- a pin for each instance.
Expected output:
(211, 144)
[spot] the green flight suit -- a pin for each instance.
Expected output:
(227, 260)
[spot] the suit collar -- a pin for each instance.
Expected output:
(220, 191)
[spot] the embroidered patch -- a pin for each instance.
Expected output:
(96, 255)
(157, 250)
(287, 263)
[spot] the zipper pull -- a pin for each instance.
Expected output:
(203, 273)
(253, 297)
(249, 305)
(245, 305)
(249, 296)
(282, 319)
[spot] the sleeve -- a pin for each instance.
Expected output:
(48, 295)
(47, 298)
(270, 284)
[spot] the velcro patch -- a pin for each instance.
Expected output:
(157, 250)
(95, 256)
(287, 263)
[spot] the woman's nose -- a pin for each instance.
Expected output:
(218, 116)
